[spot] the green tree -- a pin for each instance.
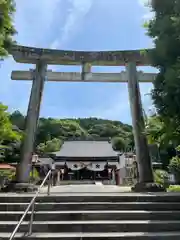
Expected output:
(165, 137)
(174, 166)
(50, 146)
(12, 152)
(72, 129)
(7, 133)
(164, 29)
(18, 119)
(7, 30)
(157, 132)
(119, 144)
(161, 177)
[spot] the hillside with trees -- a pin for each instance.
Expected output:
(52, 132)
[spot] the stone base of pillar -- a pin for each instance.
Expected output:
(20, 187)
(148, 187)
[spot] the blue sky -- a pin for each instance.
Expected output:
(78, 25)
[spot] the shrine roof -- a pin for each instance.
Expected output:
(45, 161)
(23, 54)
(88, 149)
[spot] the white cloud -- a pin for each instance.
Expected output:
(148, 14)
(34, 19)
(74, 21)
(119, 107)
(144, 2)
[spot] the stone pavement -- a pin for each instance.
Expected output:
(87, 189)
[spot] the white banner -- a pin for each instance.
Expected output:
(98, 166)
(92, 166)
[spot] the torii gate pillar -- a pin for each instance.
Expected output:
(141, 145)
(27, 149)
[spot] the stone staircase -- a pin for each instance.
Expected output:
(94, 216)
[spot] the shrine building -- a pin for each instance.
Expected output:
(87, 160)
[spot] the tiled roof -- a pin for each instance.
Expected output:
(6, 166)
(44, 161)
(86, 149)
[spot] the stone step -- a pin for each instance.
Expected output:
(93, 226)
(76, 182)
(98, 236)
(72, 206)
(91, 197)
(92, 215)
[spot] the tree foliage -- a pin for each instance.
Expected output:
(7, 30)
(164, 136)
(161, 177)
(161, 134)
(49, 146)
(50, 130)
(7, 134)
(174, 165)
(119, 144)
(18, 119)
(12, 152)
(164, 29)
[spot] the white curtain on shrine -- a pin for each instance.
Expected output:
(92, 166)
(78, 165)
(97, 166)
(73, 165)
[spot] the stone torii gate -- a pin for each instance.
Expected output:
(42, 57)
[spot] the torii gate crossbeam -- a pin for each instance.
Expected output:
(89, 77)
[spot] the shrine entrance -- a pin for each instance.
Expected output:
(86, 174)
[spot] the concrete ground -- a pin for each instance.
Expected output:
(87, 189)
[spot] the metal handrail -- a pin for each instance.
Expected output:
(31, 204)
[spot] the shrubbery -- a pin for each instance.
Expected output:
(174, 166)
(174, 188)
(161, 177)
(34, 176)
(6, 176)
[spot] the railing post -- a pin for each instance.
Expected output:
(49, 184)
(31, 219)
